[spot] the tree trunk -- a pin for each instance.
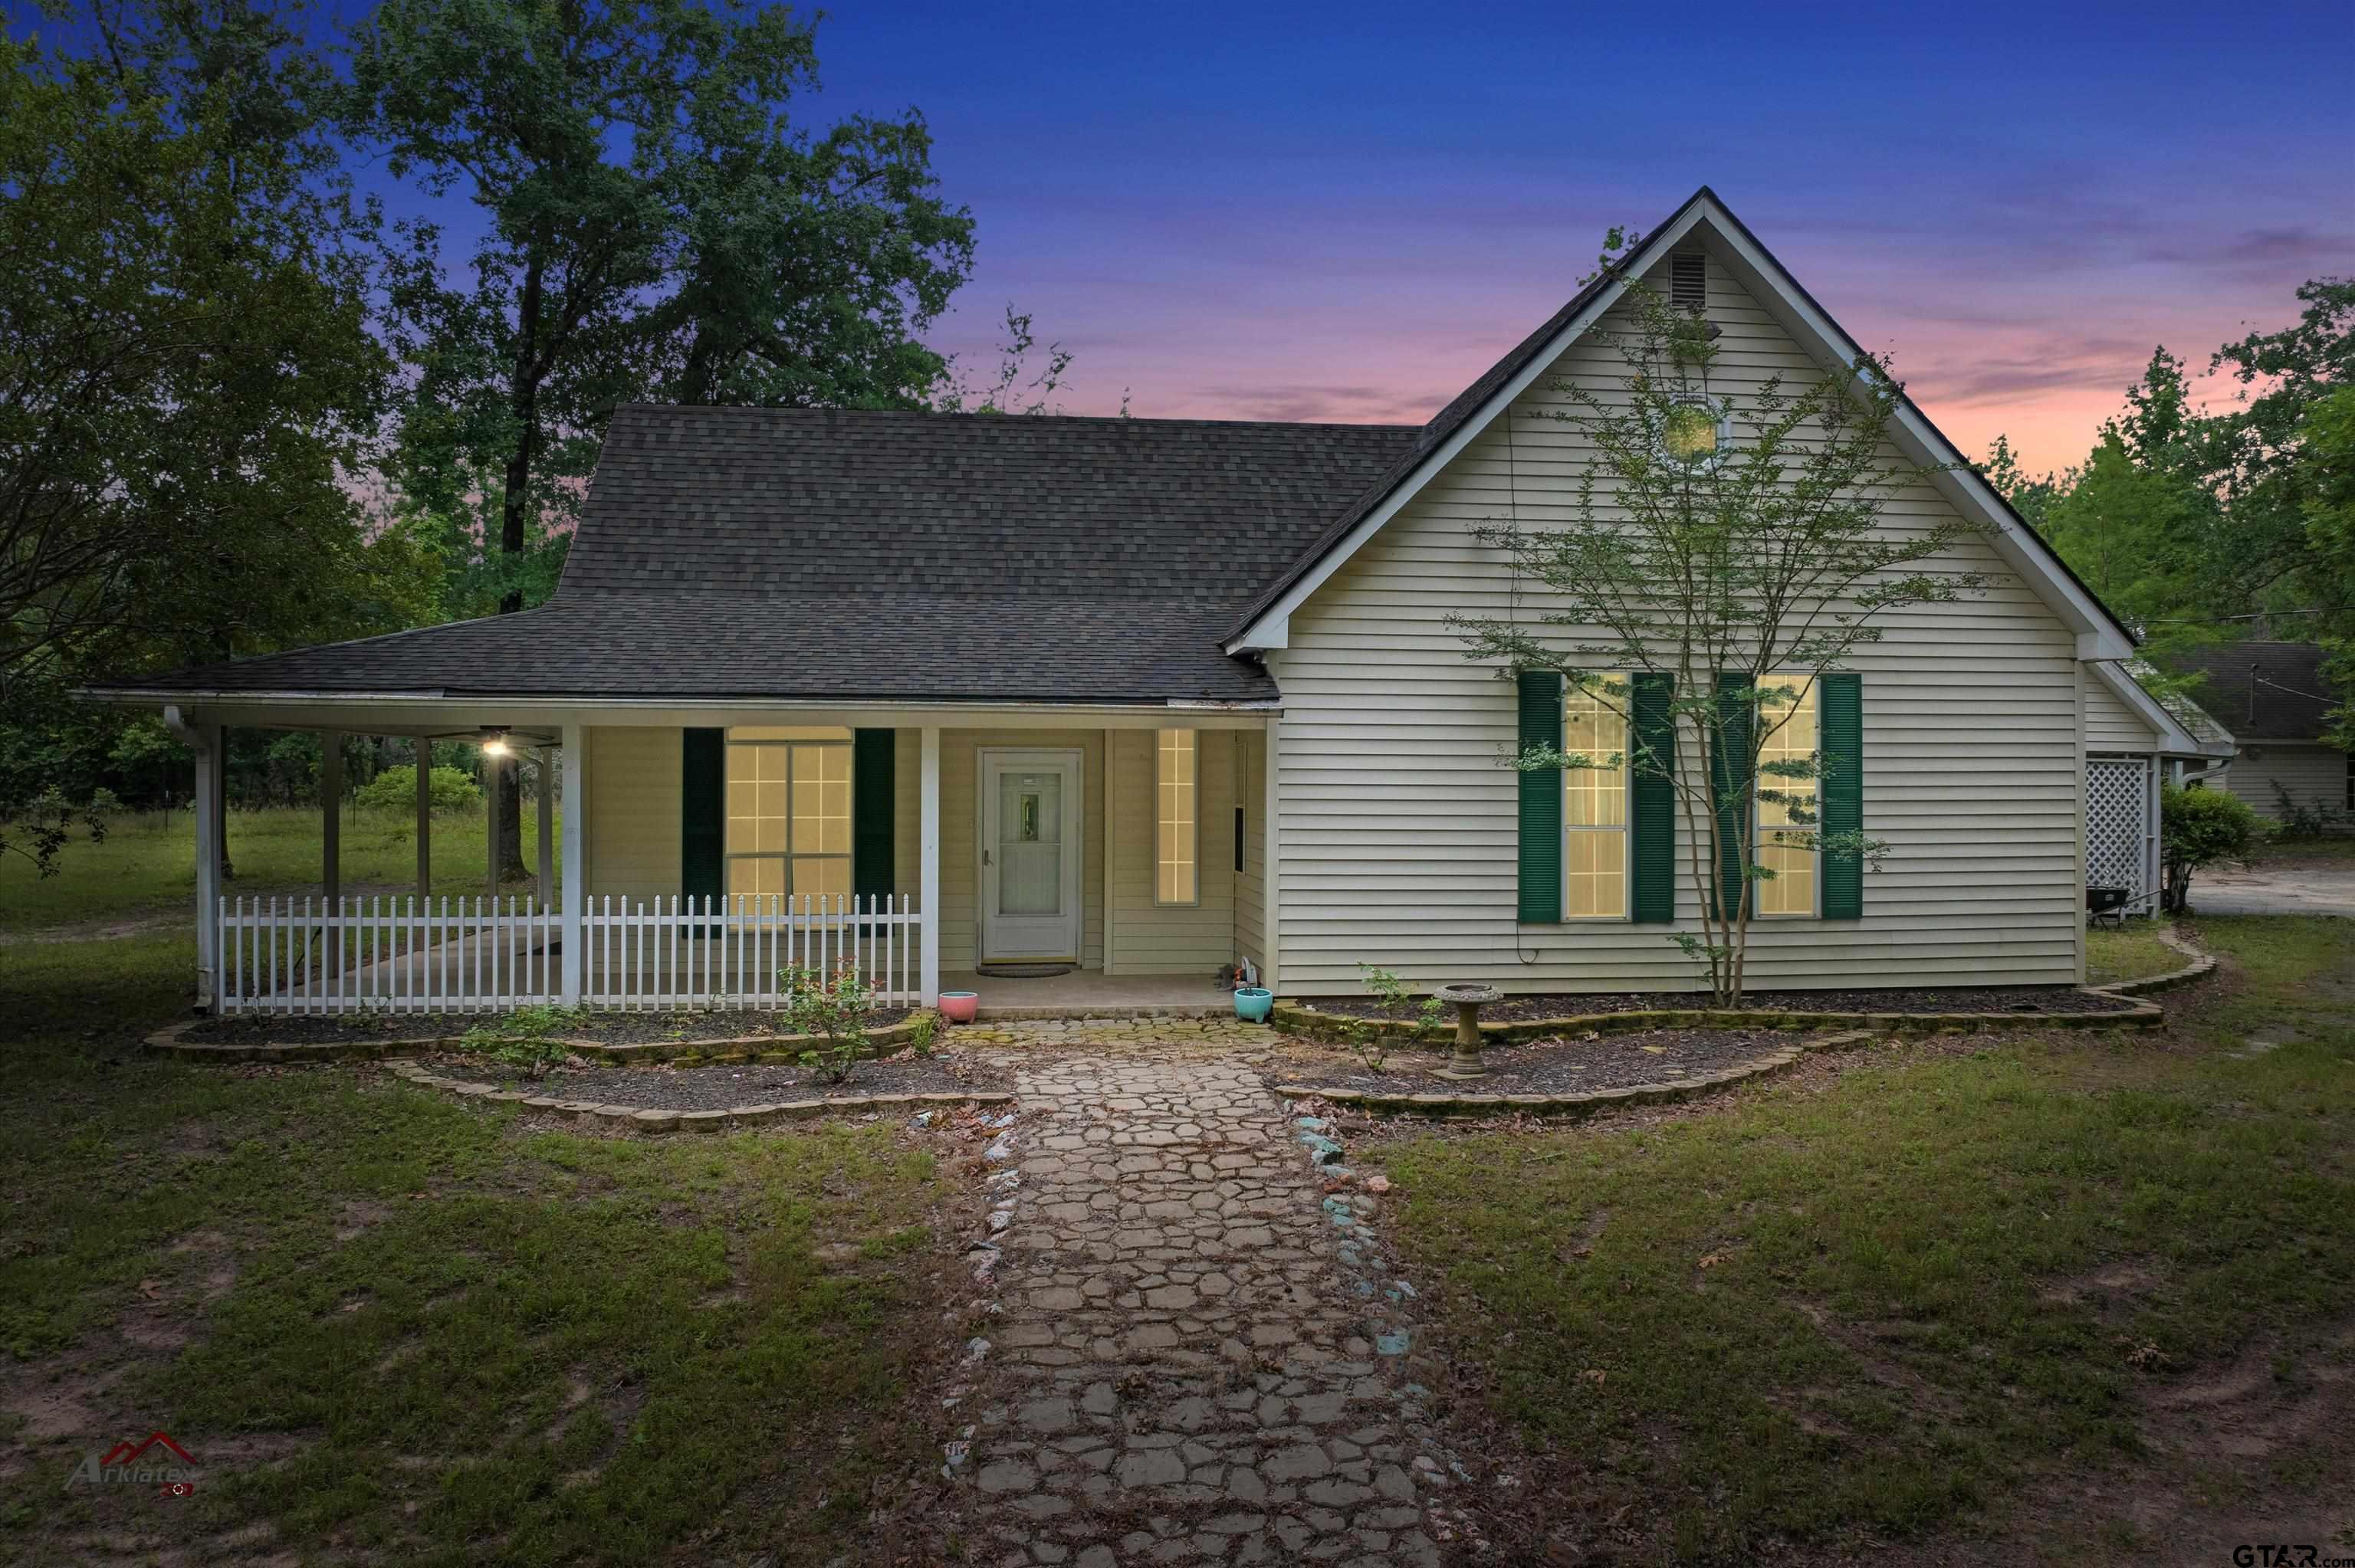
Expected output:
(514, 517)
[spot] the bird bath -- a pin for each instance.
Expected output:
(1464, 1063)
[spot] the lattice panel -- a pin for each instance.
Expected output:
(2117, 825)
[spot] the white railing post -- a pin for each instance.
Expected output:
(928, 860)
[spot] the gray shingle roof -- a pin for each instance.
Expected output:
(2263, 691)
(826, 554)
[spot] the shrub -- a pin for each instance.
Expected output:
(395, 789)
(2308, 819)
(835, 1007)
(2197, 828)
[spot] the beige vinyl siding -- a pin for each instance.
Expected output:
(2314, 774)
(1155, 939)
(1398, 826)
(2110, 724)
(961, 857)
(633, 840)
(1251, 882)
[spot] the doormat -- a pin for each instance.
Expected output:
(1024, 971)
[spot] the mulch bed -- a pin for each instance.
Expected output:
(1546, 1066)
(604, 1028)
(1982, 999)
(725, 1087)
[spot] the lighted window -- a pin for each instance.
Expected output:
(1692, 435)
(1175, 875)
(1792, 737)
(789, 811)
(1593, 808)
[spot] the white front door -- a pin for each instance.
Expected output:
(1028, 834)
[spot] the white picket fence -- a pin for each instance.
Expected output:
(404, 954)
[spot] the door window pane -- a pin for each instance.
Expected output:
(1029, 844)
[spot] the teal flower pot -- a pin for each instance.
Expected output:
(1254, 1003)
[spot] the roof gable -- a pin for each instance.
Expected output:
(1264, 624)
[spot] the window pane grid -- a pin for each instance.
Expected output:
(1595, 809)
(789, 812)
(1792, 889)
(1176, 821)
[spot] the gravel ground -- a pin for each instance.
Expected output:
(1989, 999)
(1547, 1066)
(604, 1028)
(722, 1088)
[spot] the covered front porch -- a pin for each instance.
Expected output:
(1053, 862)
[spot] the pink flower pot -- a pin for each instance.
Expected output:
(960, 1006)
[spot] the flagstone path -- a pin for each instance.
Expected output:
(1199, 1357)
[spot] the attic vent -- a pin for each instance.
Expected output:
(1688, 281)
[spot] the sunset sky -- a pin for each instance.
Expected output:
(1346, 212)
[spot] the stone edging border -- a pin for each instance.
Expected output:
(1577, 1104)
(1291, 1018)
(172, 1042)
(639, 1119)
(2202, 964)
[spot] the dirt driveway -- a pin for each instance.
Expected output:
(2290, 886)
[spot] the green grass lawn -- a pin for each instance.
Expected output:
(2130, 951)
(145, 867)
(394, 1326)
(1902, 1297)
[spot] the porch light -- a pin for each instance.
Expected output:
(494, 740)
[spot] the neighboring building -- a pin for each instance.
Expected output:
(1153, 697)
(2273, 698)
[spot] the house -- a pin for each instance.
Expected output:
(1153, 697)
(2275, 699)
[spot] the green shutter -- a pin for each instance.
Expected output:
(1541, 726)
(1652, 802)
(874, 804)
(1841, 704)
(1730, 788)
(702, 812)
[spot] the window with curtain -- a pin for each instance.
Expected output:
(1594, 809)
(1176, 878)
(1792, 889)
(788, 812)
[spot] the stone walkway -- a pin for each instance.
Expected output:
(1198, 1358)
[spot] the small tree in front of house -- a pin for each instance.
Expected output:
(1730, 539)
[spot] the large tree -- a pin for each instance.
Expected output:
(1728, 547)
(653, 224)
(186, 380)
(2200, 524)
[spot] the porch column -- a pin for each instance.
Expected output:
(424, 818)
(491, 765)
(928, 860)
(331, 846)
(574, 889)
(546, 773)
(210, 778)
(1271, 916)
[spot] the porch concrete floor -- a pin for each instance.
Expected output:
(1091, 991)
